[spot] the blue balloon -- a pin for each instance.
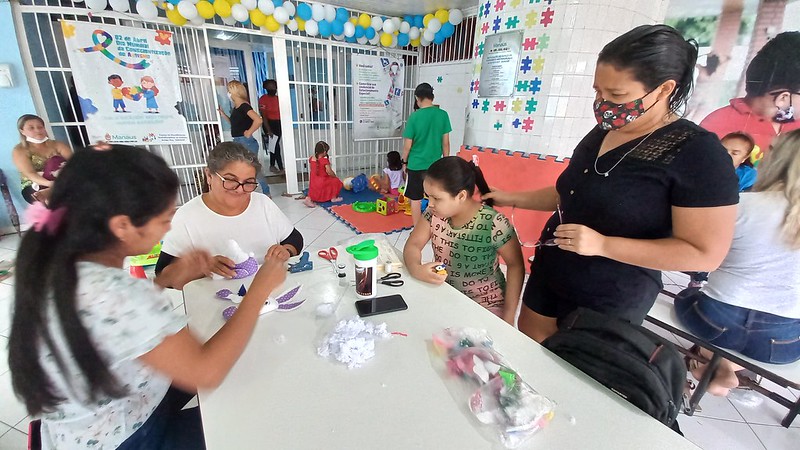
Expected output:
(304, 11)
(419, 21)
(342, 15)
(402, 40)
(277, 3)
(324, 28)
(369, 33)
(447, 29)
(359, 32)
(351, 39)
(174, 2)
(439, 38)
(409, 18)
(337, 27)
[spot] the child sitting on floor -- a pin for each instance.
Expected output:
(324, 186)
(393, 175)
(467, 237)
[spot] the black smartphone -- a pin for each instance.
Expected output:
(380, 305)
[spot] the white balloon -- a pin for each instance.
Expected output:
(394, 41)
(266, 7)
(388, 27)
(413, 33)
(312, 28)
(376, 39)
(434, 25)
(119, 5)
(330, 13)
(239, 13)
(349, 29)
(362, 40)
(280, 15)
(424, 43)
(377, 23)
(405, 27)
(97, 5)
(290, 8)
(147, 9)
(456, 16)
(396, 21)
(229, 20)
(428, 35)
(187, 9)
(292, 25)
(249, 4)
(198, 20)
(338, 37)
(194, 2)
(317, 12)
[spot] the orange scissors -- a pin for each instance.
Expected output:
(330, 255)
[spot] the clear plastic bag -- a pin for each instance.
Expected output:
(495, 394)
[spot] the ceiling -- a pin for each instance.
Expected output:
(403, 7)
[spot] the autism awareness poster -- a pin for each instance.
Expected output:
(127, 83)
(378, 99)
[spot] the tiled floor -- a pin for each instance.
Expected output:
(724, 423)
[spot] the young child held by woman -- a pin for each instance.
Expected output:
(324, 185)
(467, 236)
(740, 145)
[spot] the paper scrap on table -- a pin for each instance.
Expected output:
(352, 341)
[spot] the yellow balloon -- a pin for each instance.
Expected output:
(205, 9)
(233, 2)
(175, 17)
(386, 39)
(257, 17)
(443, 15)
(272, 24)
(364, 20)
(427, 19)
(415, 42)
(222, 8)
(301, 24)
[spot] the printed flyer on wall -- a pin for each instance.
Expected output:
(378, 99)
(127, 83)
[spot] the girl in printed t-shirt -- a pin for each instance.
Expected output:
(393, 175)
(467, 237)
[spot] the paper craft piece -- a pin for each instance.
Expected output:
(242, 291)
(283, 302)
(352, 342)
(245, 264)
(227, 294)
(227, 313)
(301, 266)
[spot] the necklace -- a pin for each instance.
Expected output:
(605, 174)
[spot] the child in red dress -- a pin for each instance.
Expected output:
(324, 185)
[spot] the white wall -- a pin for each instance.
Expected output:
(452, 93)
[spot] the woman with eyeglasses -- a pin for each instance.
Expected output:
(230, 210)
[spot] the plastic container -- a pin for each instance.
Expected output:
(366, 257)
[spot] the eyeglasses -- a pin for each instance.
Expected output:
(232, 185)
(528, 244)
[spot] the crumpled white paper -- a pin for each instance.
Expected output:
(352, 341)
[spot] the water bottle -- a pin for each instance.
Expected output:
(366, 257)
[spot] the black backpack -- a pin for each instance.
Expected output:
(635, 363)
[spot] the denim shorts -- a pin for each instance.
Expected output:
(758, 335)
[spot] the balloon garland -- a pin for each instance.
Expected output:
(314, 19)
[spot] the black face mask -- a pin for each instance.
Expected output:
(272, 92)
(784, 115)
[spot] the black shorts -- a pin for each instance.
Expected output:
(414, 189)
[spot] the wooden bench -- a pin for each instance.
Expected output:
(786, 375)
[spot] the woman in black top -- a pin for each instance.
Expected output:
(644, 191)
(244, 122)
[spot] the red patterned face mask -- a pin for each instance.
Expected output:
(613, 116)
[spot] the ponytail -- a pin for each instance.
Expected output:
(455, 175)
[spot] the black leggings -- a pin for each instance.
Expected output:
(275, 158)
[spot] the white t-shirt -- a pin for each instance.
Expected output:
(761, 271)
(395, 177)
(125, 317)
(258, 228)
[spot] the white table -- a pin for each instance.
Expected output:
(281, 395)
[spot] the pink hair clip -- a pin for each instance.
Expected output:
(41, 217)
